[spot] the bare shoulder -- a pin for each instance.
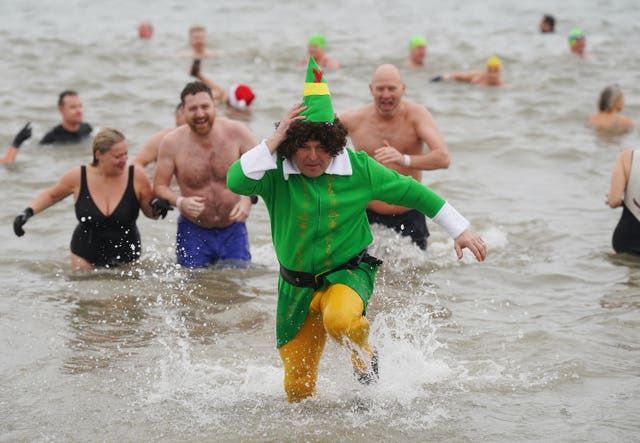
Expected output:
(172, 140)
(352, 117)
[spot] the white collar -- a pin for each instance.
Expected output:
(340, 165)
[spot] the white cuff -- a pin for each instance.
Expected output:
(256, 161)
(451, 220)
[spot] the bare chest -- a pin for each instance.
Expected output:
(199, 167)
(373, 135)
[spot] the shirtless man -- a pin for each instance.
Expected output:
(198, 43)
(394, 131)
(211, 227)
(490, 77)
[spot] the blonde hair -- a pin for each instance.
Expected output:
(104, 140)
(609, 97)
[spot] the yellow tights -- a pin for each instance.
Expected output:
(337, 310)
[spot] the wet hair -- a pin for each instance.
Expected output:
(104, 140)
(332, 137)
(193, 88)
(65, 93)
(549, 20)
(609, 97)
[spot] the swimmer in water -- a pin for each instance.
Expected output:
(108, 197)
(316, 49)
(608, 118)
(577, 41)
(490, 77)
(417, 52)
(547, 24)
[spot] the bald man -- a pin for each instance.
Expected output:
(394, 131)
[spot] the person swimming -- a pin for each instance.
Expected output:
(417, 52)
(609, 118)
(490, 77)
(577, 41)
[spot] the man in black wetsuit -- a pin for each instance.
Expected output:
(72, 129)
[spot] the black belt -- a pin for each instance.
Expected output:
(315, 281)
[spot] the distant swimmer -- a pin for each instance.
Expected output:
(316, 49)
(490, 77)
(198, 44)
(149, 151)
(625, 192)
(72, 129)
(145, 31)
(608, 118)
(394, 131)
(108, 197)
(417, 52)
(237, 97)
(577, 41)
(23, 135)
(211, 226)
(547, 24)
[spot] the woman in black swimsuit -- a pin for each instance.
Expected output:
(108, 197)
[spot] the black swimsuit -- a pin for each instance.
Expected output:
(106, 240)
(626, 237)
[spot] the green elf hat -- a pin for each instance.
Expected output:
(316, 95)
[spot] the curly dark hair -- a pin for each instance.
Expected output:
(332, 137)
(193, 88)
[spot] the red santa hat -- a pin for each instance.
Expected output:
(240, 96)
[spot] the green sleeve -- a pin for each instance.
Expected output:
(394, 188)
(239, 183)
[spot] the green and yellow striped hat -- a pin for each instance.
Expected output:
(316, 95)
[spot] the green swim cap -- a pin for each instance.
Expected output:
(417, 40)
(574, 35)
(317, 40)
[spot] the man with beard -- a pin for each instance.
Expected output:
(394, 131)
(211, 226)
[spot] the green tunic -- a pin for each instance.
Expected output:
(320, 223)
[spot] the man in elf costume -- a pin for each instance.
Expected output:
(316, 192)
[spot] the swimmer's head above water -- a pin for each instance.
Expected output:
(577, 41)
(611, 99)
(416, 41)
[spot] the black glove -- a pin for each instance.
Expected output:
(20, 220)
(160, 207)
(23, 135)
(254, 199)
(437, 78)
(195, 68)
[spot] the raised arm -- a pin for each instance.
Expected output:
(21, 136)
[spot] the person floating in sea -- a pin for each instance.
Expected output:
(393, 131)
(145, 30)
(316, 47)
(608, 117)
(490, 77)
(577, 42)
(417, 52)
(211, 226)
(316, 192)
(625, 192)
(108, 197)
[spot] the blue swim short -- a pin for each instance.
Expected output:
(198, 247)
